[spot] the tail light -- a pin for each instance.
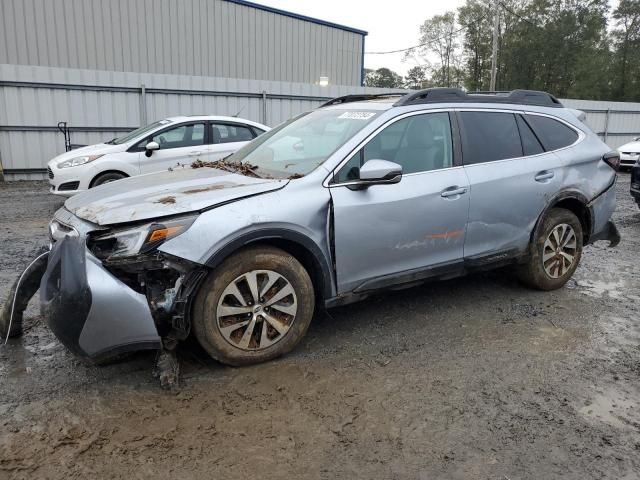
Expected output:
(612, 159)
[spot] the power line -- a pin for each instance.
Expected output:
(425, 43)
(519, 16)
(453, 33)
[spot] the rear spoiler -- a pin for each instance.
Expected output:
(578, 113)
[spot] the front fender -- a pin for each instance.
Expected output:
(296, 214)
(288, 234)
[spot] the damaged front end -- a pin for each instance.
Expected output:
(107, 291)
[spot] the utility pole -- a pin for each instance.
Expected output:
(494, 50)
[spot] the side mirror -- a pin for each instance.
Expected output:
(379, 172)
(150, 147)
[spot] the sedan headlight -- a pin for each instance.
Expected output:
(74, 162)
(137, 240)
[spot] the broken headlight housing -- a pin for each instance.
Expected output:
(127, 242)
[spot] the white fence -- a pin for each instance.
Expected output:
(100, 105)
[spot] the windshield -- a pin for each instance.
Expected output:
(299, 145)
(138, 132)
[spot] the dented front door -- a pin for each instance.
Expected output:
(392, 230)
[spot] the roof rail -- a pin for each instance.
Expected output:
(359, 97)
(456, 95)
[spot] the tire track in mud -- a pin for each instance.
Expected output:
(470, 378)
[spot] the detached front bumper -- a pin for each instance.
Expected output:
(93, 313)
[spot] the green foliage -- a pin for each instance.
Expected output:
(561, 46)
(383, 78)
(416, 78)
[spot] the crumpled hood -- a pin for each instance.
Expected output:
(98, 149)
(155, 195)
(633, 147)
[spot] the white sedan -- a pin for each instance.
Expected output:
(630, 153)
(155, 147)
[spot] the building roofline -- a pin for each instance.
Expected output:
(297, 16)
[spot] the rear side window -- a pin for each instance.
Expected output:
(226, 133)
(489, 136)
(530, 144)
(552, 133)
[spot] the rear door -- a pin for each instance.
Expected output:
(179, 144)
(389, 234)
(511, 179)
(226, 138)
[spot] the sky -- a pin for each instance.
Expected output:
(391, 25)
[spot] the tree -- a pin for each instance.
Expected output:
(476, 17)
(416, 78)
(439, 37)
(382, 78)
(627, 41)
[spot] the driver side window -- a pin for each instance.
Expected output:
(178, 137)
(419, 143)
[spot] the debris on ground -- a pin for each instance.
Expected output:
(167, 369)
(421, 383)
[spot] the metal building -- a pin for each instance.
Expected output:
(109, 66)
(211, 38)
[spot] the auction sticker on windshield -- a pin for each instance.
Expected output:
(357, 115)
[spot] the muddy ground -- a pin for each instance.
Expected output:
(476, 378)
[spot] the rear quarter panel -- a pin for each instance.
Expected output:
(587, 174)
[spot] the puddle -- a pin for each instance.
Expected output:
(611, 407)
(600, 288)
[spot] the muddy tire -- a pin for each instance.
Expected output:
(556, 250)
(107, 178)
(253, 307)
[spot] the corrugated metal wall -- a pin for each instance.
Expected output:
(213, 38)
(617, 123)
(101, 105)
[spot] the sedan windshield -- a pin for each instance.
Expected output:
(299, 145)
(138, 132)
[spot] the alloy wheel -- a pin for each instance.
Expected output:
(559, 250)
(256, 310)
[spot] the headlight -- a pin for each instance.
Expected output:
(74, 162)
(142, 239)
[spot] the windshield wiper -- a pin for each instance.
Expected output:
(112, 141)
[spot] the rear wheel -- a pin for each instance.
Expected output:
(254, 307)
(555, 252)
(107, 177)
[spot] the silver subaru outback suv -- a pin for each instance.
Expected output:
(366, 193)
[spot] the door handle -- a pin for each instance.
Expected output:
(195, 153)
(453, 191)
(544, 175)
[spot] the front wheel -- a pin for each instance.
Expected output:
(254, 307)
(107, 177)
(556, 250)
